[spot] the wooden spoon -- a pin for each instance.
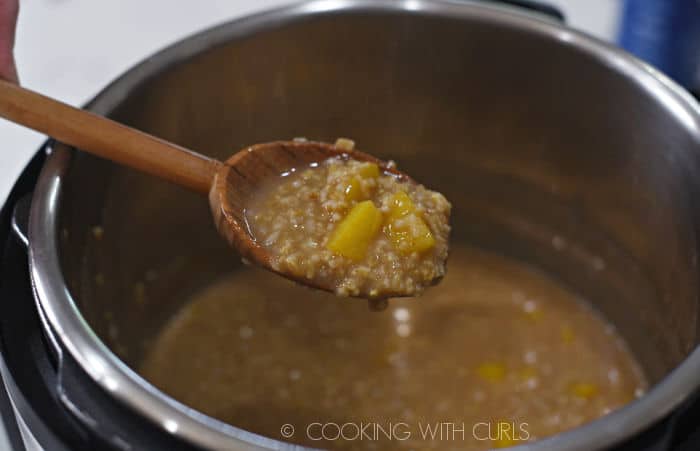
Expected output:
(228, 184)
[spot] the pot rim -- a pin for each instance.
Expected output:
(67, 325)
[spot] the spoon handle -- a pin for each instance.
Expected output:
(106, 138)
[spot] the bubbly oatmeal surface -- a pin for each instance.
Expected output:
(495, 342)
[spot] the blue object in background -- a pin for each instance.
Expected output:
(665, 33)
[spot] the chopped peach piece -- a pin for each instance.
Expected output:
(567, 334)
(504, 442)
(527, 372)
(401, 205)
(491, 372)
(584, 390)
(405, 228)
(369, 170)
(353, 192)
(506, 435)
(344, 143)
(353, 235)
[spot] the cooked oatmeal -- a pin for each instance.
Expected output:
(349, 225)
(495, 342)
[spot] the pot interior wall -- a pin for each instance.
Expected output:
(547, 154)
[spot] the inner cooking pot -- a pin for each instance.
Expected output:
(554, 148)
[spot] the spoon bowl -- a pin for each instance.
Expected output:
(238, 178)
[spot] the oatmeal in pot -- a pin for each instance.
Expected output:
(495, 344)
(353, 226)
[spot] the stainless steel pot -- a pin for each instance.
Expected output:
(555, 148)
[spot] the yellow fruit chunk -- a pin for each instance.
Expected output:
(369, 171)
(532, 310)
(353, 235)
(491, 372)
(567, 334)
(345, 143)
(534, 315)
(405, 228)
(584, 390)
(504, 442)
(527, 372)
(410, 234)
(400, 205)
(505, 435)
(353, 192)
